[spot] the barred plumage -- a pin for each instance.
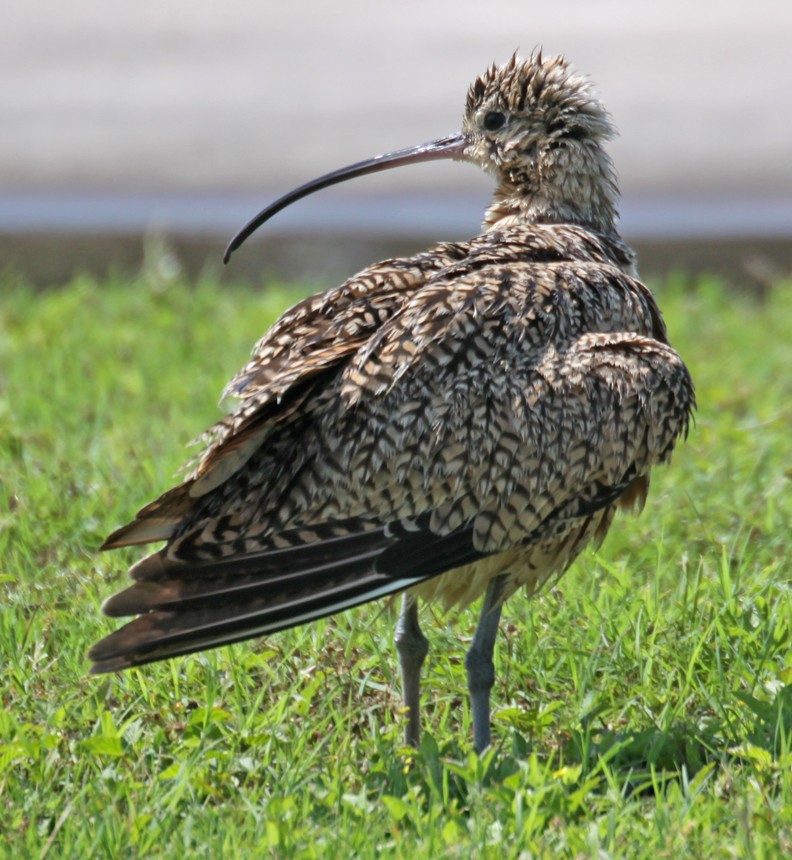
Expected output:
(456, 423)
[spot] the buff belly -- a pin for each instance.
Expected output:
(526, 567)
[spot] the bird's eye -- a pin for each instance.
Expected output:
(494, 120)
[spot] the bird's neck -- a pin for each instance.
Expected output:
(555, 194)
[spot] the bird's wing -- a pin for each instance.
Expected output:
(306, 344)
(323, 329)
(491, 410)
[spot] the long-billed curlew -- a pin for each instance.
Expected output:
(457, 423)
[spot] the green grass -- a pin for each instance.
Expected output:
(643, 708)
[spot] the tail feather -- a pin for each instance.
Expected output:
(294, 550)
(186, 602)
(231, 582)
(160, 634)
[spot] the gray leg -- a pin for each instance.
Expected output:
(413, 647)
(478, 662)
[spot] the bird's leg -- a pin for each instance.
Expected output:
(478, 662)
(413, 647)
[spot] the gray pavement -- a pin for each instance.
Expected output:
(126, 113)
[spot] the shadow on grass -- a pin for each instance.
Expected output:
(638, 763)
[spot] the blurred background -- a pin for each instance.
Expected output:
(167, 125)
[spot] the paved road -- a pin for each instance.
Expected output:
(253, 94)
(119, 117)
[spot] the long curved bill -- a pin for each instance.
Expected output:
(452, 146)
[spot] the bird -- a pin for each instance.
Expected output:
(451, 425)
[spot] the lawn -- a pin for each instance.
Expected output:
(643, 708)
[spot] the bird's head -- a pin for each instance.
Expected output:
(536, 126)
